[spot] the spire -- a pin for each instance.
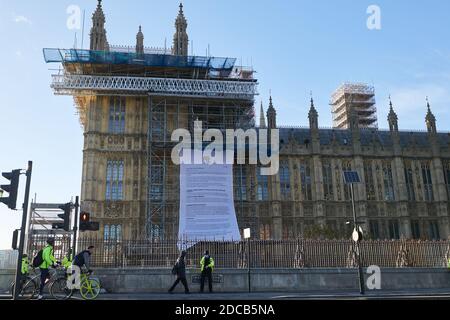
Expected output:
(262, 119)
(98, 32)
(180, 38)
(140, 41)
(430, 119)
(313, 115)
(392, 117)
(271, 115)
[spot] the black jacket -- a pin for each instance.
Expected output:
(181, 268)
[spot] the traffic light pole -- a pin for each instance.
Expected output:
(75, 227)
(22, 230)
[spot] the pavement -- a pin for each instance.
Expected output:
(443, 294)
(370, 295)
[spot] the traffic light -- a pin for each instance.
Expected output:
(86, 224)
(14, 245)
(11, 188)
(67, 208)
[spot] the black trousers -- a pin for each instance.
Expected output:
(183, 281)
(207, 273)
(44, 276)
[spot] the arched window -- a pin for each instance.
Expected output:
(305, 177)
(263, 186)
(285, 180)
(427, 182)
(114, 180)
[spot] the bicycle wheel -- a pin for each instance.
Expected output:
(29, 290)
(59, 289)
(90, 289)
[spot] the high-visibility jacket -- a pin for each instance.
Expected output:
(47, 257)
(67, 261)
(210, 264)
(25, 264)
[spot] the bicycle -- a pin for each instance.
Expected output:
(89, 288)
(29, 287)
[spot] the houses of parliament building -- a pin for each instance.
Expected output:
(130, 99)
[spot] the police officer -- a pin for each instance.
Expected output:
(67, 261)
(25, 266)
(24, 270)
(48, 260)
(207, 266)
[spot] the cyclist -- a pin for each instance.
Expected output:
(83, 259)
(24, 270)
(48, 260)
(67, 261)
(25, 266)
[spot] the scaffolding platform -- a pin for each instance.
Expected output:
(131, 58)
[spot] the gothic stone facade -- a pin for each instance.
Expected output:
(404, 189)
(405, 175)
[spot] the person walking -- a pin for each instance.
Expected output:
(206, 267)
(179, 269)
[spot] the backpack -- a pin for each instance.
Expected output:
(79, 258)
(38, 259)
(175, 268)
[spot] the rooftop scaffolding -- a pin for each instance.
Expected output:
(132, 58)
(73, 84)
(354, 97)
(147, 50)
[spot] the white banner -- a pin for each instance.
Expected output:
(207, 204)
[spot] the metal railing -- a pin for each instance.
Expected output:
(70, 83)
(278, 254)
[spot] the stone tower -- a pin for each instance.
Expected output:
(140, 42)
(271, 115)
(262, 119)
(430, 120)
(98, 32)
(313, 116)
(180, 38)
(392, 118)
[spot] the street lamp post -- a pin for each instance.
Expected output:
(357, 238)
(247, 236)
(351, 178)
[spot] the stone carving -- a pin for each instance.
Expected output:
(113, 209)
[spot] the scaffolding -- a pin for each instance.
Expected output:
(167, 114)
(355, 98)
(81, 56)
(178, 91)
(41, 218)
(74, 84)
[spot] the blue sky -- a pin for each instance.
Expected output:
(295, 46)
